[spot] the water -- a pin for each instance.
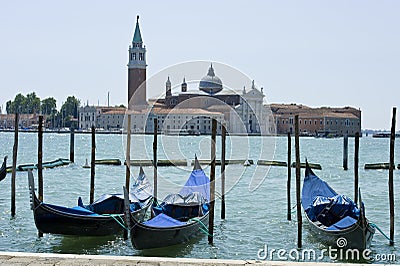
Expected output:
(254, 218)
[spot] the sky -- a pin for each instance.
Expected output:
(316, 53)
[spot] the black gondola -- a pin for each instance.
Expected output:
(178, 218)
(333, 218)
(101, 218)
(3, 169)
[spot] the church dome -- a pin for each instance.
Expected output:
(210, 84)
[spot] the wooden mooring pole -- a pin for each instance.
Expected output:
(40, 162)
(356, 151)
(92, 165)
(72, 144)
(128, 163)
(155, 157)
(391, 185)
(14, 165)
(128, 154)
(212, 182)
(40, 158)
(289, 177)
(298, 200)
(223, 153)
(345, 151)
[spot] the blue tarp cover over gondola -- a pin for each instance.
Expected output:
(191, 201)
(323, 204)
(197, 182)
(313, 186)
(163, 220)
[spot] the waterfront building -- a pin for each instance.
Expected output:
(87, 117)
(30, 121)
(321, 121)
(192, 121)
(243, 111)
(104, 117)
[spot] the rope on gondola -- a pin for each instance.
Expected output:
(204, 229)
(377, 227)
(115, 217)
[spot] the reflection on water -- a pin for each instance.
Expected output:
(77, 244)
(180, 250)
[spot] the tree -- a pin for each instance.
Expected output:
(9, 107)
(49, 106)
(18, 105)
(32, 103)
(69, 110)
(24, 105)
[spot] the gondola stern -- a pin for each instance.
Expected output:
(3, 169)
(141, 171)
(309, 171)
(197, 165)
(33, 199)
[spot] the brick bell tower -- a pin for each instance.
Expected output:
(137, 72)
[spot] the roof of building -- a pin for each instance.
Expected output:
(115, 112)
(137, 37)
(302, 110)
(183, 111)
(105, 109)
(211, 83)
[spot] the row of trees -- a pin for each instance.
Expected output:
(31, 104)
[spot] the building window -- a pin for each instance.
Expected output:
(141, 56)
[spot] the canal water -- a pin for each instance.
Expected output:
(255, 198)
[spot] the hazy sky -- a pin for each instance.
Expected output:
(317, 53)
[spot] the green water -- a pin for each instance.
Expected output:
(255, 201)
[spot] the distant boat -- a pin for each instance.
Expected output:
(246, 163)
(385, 135)
(333, 217)
(3, 169)
(178, 218)
(102, 217)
